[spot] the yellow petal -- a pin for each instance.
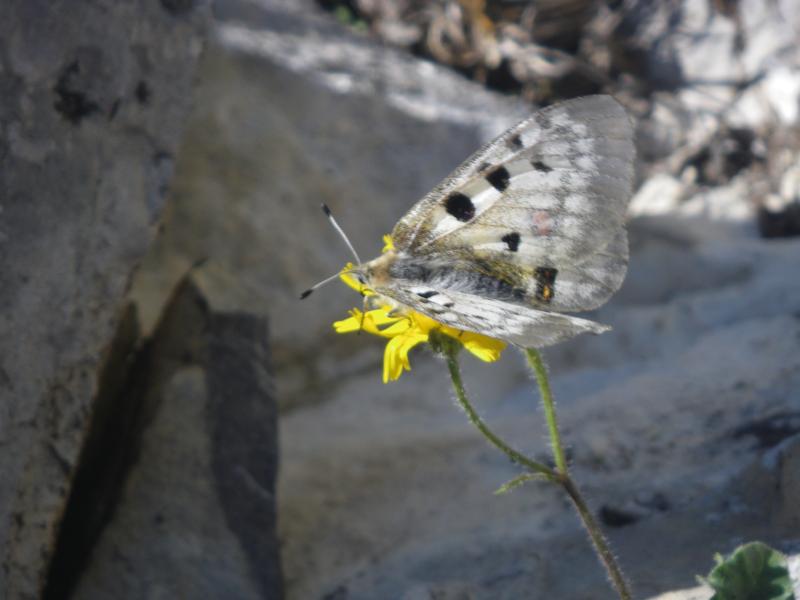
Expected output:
(367, 323)
(485, 348)
(424, 323)
(392, 365)
(352, 282)
(388, 244)
(350, 324)
(401, 327)
(371, 322)
(395, 356)
(380, 316)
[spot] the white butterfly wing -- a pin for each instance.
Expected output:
(541, 207)
(589, 283)
(520, 325)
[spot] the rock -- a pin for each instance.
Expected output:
(794, 572)
(779, 215)
(658, 195)
(94, 94)
(727, 69)
(702, 592)
(194, 515)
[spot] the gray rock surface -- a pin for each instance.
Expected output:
(195, 517)
(93, 96)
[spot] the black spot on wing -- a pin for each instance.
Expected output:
(540, 166)
(546, 275)
(545, 283)
(484, 166)
(511, 240)
(460, 206)
(499, 178)
(515, 142)
(435, 301)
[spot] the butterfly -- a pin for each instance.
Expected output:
(528, 228)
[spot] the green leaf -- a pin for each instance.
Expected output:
(518, 481)
(753, 572)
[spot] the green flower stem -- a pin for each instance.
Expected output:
(598, 539)
(560, 475)
(595, 533)
(475, 419)
(537, 364)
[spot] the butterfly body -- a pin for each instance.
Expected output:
(528, 228)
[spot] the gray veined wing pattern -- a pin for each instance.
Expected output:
(542, 208)
(514, 323)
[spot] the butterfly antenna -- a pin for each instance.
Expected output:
(307, 293)
(340, 231)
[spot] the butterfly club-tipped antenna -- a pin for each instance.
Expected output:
(341, 232)
(307, 293)
(343, 235)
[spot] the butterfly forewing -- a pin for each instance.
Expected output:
(572, 161)
(541, 207)
(529, 226)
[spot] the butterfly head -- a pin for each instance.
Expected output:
(375, 273)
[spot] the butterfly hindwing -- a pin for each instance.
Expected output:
(520, 325)
(582, 285)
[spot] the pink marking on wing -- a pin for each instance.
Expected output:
(542, 223)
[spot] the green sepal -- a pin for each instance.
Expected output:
(443, 344)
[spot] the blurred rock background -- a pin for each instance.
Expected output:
(139, 431)
(94, 96)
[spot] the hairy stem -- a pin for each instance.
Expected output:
(475, 419)
(560, 475)
(600, 542)
(595, 533)
(537, 364)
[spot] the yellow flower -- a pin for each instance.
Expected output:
(407, 329)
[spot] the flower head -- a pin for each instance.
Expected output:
(405, 329)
